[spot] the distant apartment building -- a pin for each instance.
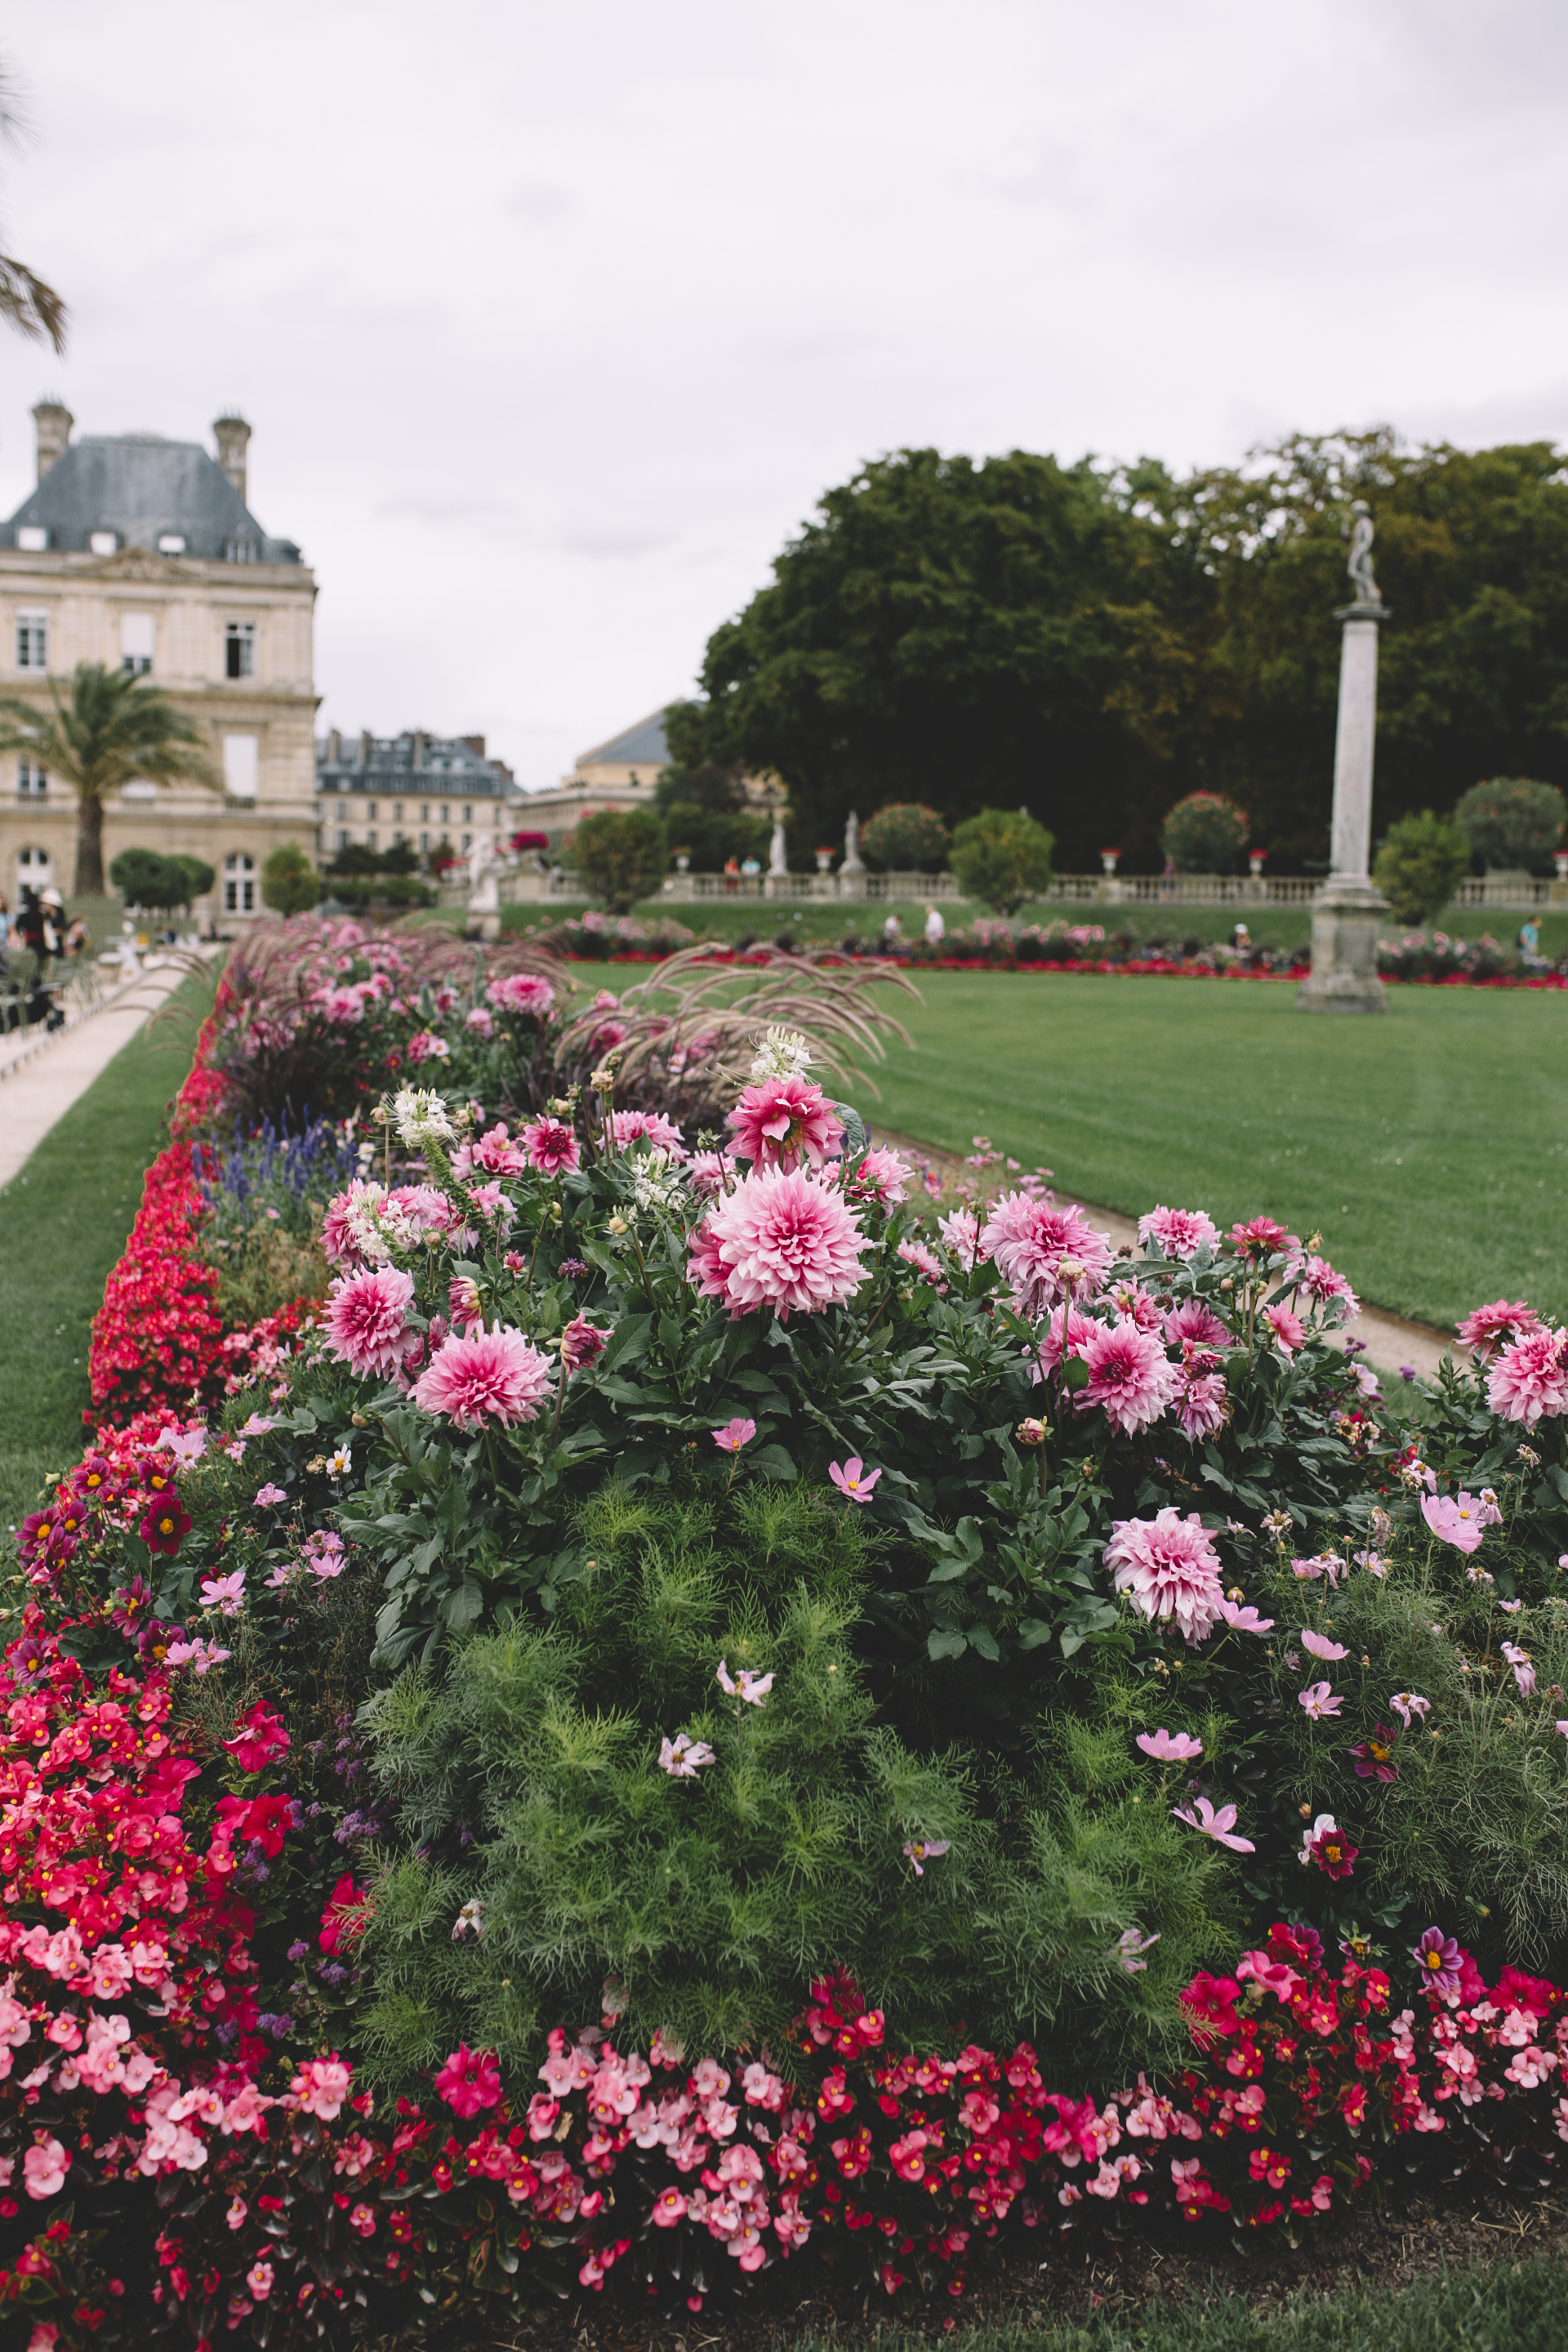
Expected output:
(143, 553)
(377, 792)
(619, 774)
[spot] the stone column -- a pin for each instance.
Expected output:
(1348, 908)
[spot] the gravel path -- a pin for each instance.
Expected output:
(40, 1087)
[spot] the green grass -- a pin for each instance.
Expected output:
(1429, 1146)
(63, 1222)
(1515, 2307)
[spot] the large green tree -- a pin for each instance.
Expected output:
(114, 728)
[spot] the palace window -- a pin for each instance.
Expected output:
(32, 537)
(424, 841)
(370, 838)
(369, 811)
(240, 883)
(239, 766)
(32, 641)
(103, 542)
(467, 841)
(136, 642)
(239, 649)
(171, 542)
(31, 782)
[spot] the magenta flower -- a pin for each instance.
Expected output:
(523, 992)
(1321, 1647)
(1374, 1757)
(1440, 1959)
(920, 1850)
(1454, 1521)
(1529, 1378)
(365, 1320)
(1178, 1233)
(1130, 1376)
(551, 1146)
(469, 2080)
(1407, 1703)
(781, 1121)
(681, 1755)
(882, 1176)
(1262, 1238)
(1523, 1671)
(1034, 1244)
(1326, 1844)
(1219, 1826)
(1320, 1701)
(651, 1127)
(735, 1435)
(225, 1594)
(1288, 1329)
(1169, 1746)
(1486, 1330)
(269, 1494)
(485, 1375)
(1169, 1569)
(854, 1479)
(781, 1239)
(1245, 1621)
(753, 1689)
(583, 1343)
(1193, 1320)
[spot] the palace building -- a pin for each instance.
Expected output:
(140, 552)
(379, 792)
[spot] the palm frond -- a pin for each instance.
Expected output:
(30, 304)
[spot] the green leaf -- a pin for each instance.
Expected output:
(946, 1643)
(773, 1461)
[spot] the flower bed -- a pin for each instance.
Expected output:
(714, 1703)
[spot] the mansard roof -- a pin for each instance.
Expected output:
(640, 746)
(143, 487)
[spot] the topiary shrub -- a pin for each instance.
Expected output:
(1001, 858)
(1205, 834)
(1513, 822)
(1422, 863)
(622, 856)
(289, 882)
(906, 836)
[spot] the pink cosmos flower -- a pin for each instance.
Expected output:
(1523, 1671)
(1129, 1375)
(225, 1594)
(1218, 1825)
(1036, 1243)
(583, 1343)
(1128, 1947)
(735, 1435)
(1169, 1569)
(1320, 1563)
(1405, 1705)
(1487, 1329)
(1454, 1520)
(1319, 1701)
(1169, 1746)
(1529, 1378)
(485, 1375)
(1178, 1233)
(681, 1755)
(780, 1122)
(469, 2080)
(651, 1127)
(781, 1239)
(1317, 1278)
(365, 1320)
(960, 1232)
(753, 1689)
(188, 1446)
(268, 1494)
(920, 1850)
(1195, 1320)
(1288, 1329)
(1245, 1621)
(551, 1146)
(523, 992)
(882, 1176)
(1321, 1647)
(44, 2168)
(1440, 1959)
(854, 1479)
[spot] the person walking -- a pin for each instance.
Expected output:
(936, 929)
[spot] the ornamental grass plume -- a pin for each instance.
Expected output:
(1169, 1571)
(781, 1239)
(367, 1320)
(1035, 1243)
(485, 1375)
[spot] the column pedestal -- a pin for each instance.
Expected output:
(1346, 917)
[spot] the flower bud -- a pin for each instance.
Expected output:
(1031, 1432)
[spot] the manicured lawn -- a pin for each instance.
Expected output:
(1430, 1147)
(63, 1223)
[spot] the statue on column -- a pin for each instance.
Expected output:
(1359, 565)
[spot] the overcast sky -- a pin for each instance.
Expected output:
(555, 323)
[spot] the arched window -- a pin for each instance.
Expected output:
(240, 883)
(35, 867)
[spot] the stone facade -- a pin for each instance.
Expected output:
(139, 552)
(619, 774)
(378, 792)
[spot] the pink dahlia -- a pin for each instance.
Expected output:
(523, 992)
(1129, 1375)
(1202, 1403)
(583, 1343)
(1529, 1378)
(1066, 1332)
(1487, 1329)
(1168, 1569)
(781, 1239)
(1262, 1238)
(485, 1375)
(1197, 1322)
(551, 1147)
(338, 1235)
(1046, 1253)
(1178, 1233)
(630, 1127)
(923, 1260)
(1135, 1306)
(496, 1152)
(1317, 1278)
(782, 1121)
(960, 1234)
(711, 1172)
(882, 1176)
(1288, 1329)
(366, 1319)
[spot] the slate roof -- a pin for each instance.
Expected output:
(448, 767)
(640, 746)
(141, 486)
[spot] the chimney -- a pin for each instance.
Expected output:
(334, 749)
(421, 746)
(474, 743)
(364, 747)
(232, 435)
(54, 421)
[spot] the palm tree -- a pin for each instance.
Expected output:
(115, 726)
(30, 305)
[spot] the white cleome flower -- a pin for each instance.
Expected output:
(782, 1054)
(421, 1117)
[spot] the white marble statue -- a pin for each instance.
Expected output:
(1359, 565)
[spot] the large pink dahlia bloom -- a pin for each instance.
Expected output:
(1529, 1378)
(1168, 1569)
(1196, 1321)
(1129, 1375)
(781, 1239)
(1036, 1243)
(1178, 1233)
(523, 992)
(629, 1126)
(1491, 1327)
(485, 1375)
(365, 1315)
(781, 1121)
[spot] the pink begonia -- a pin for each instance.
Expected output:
(1407, 1704)
(1523, 1671)
(924, 1261)
(268, 1494)
(1065, 1330)
(854, 1479)
(258, 2279)
(779, 1123)
(1321, 1647)
(882, 1176)
(781, 1239)
(1178, 1233)
(1317, 1278)
(1288, 1329)
(735, 1435)
(523, 992)
(583, 1343)
(1318, 1700)
(469, 2080)
(1195, 1320)
(551, 1146)
(1168, 1569)
(711, 1172)
(44, 2168)
(651, 1127)
(1046, 1251)
(960, 1232)
(321, 2085)
(1529, 1378)
(1169, 1746)
(1130, 1376)
(495, 1375)
(1203, 1402)
(365, 1320)
(1245, 1620)
(1220, 1825)
(1454, 1520)
(1489, 1327)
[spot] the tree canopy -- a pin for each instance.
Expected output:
(1094, 642)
